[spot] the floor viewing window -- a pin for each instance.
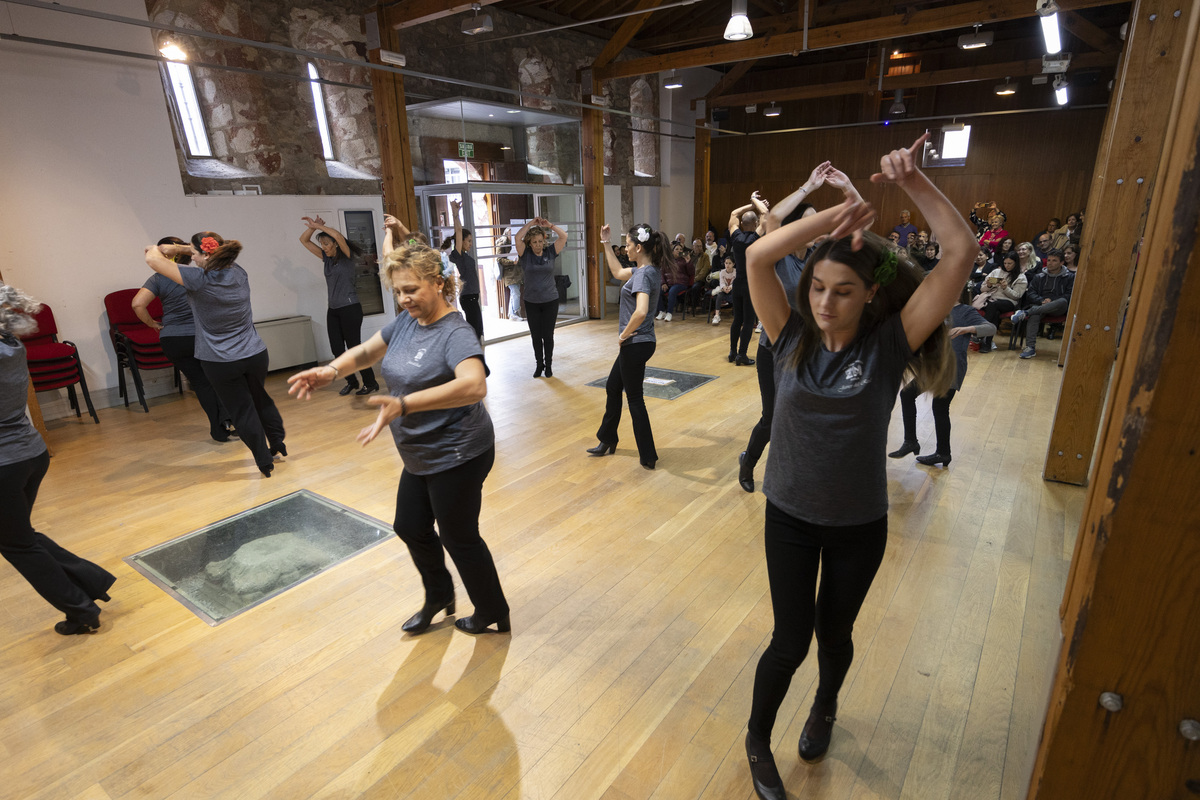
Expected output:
(183, 89)
(322, 118)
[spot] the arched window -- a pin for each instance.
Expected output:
(645, 128)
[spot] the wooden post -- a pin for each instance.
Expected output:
(700, 220)
(391, 119)
(592, 140)
(1116, 217)
(1131, 604)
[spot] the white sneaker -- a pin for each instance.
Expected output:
(758, 328)
(661, 314)
(667, 318)
(716, 319)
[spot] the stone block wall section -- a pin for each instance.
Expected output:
(263, 130)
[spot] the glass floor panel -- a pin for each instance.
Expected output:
(666, 384)
(225, 568)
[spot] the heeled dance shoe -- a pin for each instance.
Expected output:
(420, 621)
(347, 389)
(368, 389)
(537, 373)
(649, 464)
(476, 624)
(549, 372)
(70, 627)
(818, 730)
(278, 450)
(906, 447)
(602, 449)
(746, 473)
(763, 772)
(933, 459)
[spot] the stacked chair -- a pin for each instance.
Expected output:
(136, 345)
(54, 364)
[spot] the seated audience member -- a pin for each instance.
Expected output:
(995, 233)
(1001, 292)
(928, 258)
(1053, 225)
(710, 245)
(1071, 258)
(979, 271)
(1067, 234)
(1041, 245)
(1028, 261)
(721, 294)
(701, 267)
(1049, 295)
(922, 238)
(905, 227)
(722, 250)
(1007, 245)
(894, 238)
(676, 282)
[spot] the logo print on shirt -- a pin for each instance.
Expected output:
(415, 361)
(854, 377)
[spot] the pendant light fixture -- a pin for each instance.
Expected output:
(739, 24)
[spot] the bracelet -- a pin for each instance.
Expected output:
(336, 373)
(403, 407)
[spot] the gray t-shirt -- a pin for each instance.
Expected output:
(789, 269)
(224, 320)
(339, 280)
(645, 280)
(19, 440)
(177, 312)
(421, 356)
(829, 437)
(539, 275)
(466, 270)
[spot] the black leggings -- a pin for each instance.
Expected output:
(345, 331)
(239, 384)
(742, 329)
(627, 374)
(848, 557)
(63, 579)
(471, 312)
(994, 310)
(451, 498)
(181, 351)
(541, 318)
(941, 416)
(765, 364)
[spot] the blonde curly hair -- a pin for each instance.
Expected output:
(423, 262)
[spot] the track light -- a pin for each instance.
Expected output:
(1048, 11)
(1007, 88)
(476, 24)
(672, 82)
(173, 52)
(739, 24)
(771, 111)
(1060, 90)
(973, 41)
(898, 106)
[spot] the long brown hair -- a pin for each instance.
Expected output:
(223, 256)
(932, 366)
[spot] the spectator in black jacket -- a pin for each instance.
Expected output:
(1049, 295)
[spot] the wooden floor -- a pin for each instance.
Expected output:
(639, 609)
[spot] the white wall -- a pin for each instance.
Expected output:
(91, 177)
(678, 160)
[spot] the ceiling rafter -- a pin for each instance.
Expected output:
(962, 15)
(629, 28)
(1089, 34)
(416, 12)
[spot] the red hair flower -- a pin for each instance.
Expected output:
(209, 245)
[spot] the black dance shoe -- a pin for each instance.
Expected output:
(266, 469)
(763, 772)
(603, 449)
(347, 389)
(732, 356)
(420, 621)
(933, 459)
(814, 739)
(70, 627)
(744, 361)
(537, 373)
(549, 372)
(476, 624)
(649, 464)
(906, 448)
(746, 473)
(368, 389)
(278, 450)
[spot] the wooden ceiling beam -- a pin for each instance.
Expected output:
(728, 81)
(768, 26)
(629, 28)
(416, 12)
(942, 77)
(963, 15)
(1089, 34)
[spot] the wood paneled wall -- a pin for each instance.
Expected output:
(1034, 166)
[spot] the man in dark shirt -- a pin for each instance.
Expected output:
(1049, 295)
(744, 230)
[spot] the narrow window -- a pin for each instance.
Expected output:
(322, 119)
(184, 90)
(948, 147)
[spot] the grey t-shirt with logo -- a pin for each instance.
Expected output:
(539, 275)
(421, 356)
(19, 440)
(645, 280)
(829, 437)
(339, 280)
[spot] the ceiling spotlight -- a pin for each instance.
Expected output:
(1006, 88)
(739, 24)
(672, 82)
(1048, 11)
(973, 41)
(898, 106)
(771, 111)
(1060, 90)
(1053, 65)
(173, 52)
(476, 24)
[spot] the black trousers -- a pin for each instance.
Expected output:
(541, 318)
(765, 364)
(452, 499)
(994, 310)
(345, 331)
(471, 312)
(742, 329)
(63, 579)
(181, 351)
(239, 384)
(627, 374)
(941, 416)
(848, 557)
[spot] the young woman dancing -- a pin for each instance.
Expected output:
(865, 318)
(635, 338)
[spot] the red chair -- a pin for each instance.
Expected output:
(135, 343)
(54, 364)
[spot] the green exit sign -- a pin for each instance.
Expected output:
(466, 149)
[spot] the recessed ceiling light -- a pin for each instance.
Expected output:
(771, 111)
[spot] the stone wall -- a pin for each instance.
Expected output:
(263, 129)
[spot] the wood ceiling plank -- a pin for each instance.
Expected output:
(416, 12)
(1090, 34)
(629, 28)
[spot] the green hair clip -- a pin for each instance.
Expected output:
(885, 272)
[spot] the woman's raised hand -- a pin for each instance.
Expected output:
(605, 234)
(819, 175)
(309, 221)
(853, 217)
(900, 165)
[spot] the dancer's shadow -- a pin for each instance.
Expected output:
(464, 747)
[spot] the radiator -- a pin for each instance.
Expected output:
(289, 341)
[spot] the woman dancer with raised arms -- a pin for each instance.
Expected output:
(865, 318)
